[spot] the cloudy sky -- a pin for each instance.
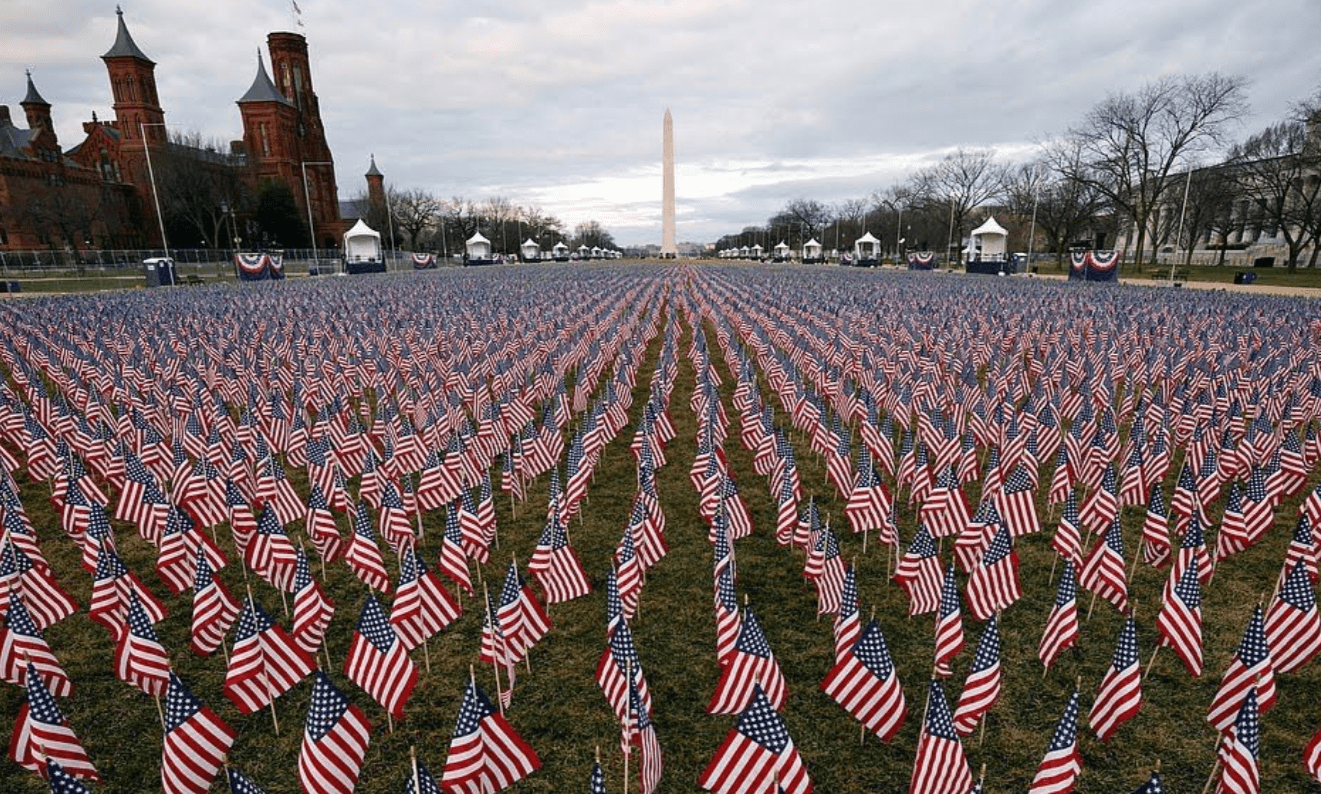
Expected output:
(559, 103)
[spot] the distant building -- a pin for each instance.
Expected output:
(98, 193)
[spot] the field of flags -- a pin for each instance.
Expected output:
(660, 530)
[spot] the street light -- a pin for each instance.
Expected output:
(1178, 238)
(155, 194)
(307, 197)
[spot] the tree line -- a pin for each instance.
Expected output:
(1158, 166)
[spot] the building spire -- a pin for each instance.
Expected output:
(124, 45)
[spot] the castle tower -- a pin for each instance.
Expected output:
(284, 137)
(375, 184)
(138, 111)
(37, 110)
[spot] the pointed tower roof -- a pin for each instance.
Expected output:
(33, 96)
(373, 171)
(263, 90)
(124, 44)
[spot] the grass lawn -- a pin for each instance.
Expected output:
(561, 712)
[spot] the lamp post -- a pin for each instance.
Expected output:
(1032, 230)
(151, 174)
(1178, 238)
(307, 197)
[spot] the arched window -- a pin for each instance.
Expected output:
(265, 140)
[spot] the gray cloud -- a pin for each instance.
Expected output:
(560, 101)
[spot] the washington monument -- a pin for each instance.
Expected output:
(669, 249)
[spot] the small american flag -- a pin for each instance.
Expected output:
(335, 738)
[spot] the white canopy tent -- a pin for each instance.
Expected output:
(988, 241)
(362, 243)
(781, 250)
(478, 247)
(560, 250)
(812, 249)
(530, 250)
(866, 247)
(755, 251)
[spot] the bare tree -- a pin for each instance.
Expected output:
(199, 183)
(1277, 171)
(811, 216)
(1131, 144)
(415, 211)
(1208, 212)
(961, 182)
(1065, 209)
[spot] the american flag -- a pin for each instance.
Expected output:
(1250, 667)
(1104, 573)
(640, 732)
(1068, 535)
(394, 519)
(865, 682)
(1120, 694)
(757, 755)
(752, 662)
(982, 688)
(363, 555)
(1156, 531)
(180, 543)
(918, 574)
(214, 609)
(335, 738)
(321, 527)
(618, 662)
(46, 601)
(422, 606)
(521, 615)
(940, 766)
(993, 584)
(269, 553)
(1239, 753)
(847, 620)
(628, 577)
(471, 529)
(597, 783)
(496, 651)
(556, 566)
(378, 661)
(312, 609)
(140, 659)
(949, 624)
(1293, 627)
(42, 731)
(453, 560)
(486, 754)
(1180, 619)
(1017, 503)
(1062, 764)
(421, 781)
(111, 588)
(869, 501)
(195, 745)
(62, 782)
(264, 663)
(1062, 623)
(728, 621)
(21, 644)
(825, 568)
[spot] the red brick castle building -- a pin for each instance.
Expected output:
(98, 194)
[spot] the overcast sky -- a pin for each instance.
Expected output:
(559, 103)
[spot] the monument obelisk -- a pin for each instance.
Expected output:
(669, 249)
